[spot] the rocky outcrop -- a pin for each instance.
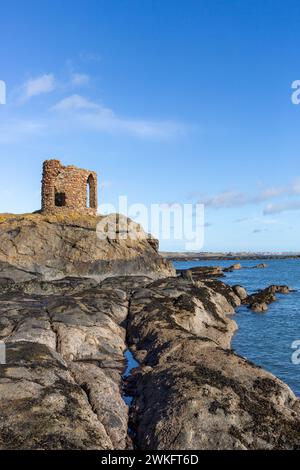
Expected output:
(192, 390)
(204, 272)
(259, 301)
(234, 267)
(201, 272)
(52, 247)
(61, 385)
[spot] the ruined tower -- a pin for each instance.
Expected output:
(68, 189)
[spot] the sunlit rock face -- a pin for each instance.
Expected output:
(55, 246)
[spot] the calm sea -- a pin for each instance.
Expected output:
(266, 339)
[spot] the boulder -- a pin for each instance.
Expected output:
(232, 268)
(259, 307)
(240, 292)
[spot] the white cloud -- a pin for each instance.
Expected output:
(37, 86)
(225, 199)
(98, 118)
(79, 79)
(75, 103)
(231, 199)
(283, 207)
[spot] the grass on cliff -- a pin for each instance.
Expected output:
(70, 218)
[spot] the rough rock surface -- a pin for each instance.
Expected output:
(259, 301)
(192, 390)
(240, 292)
(260, 266)
(52, 247)
(234, 267)
(61, 385)
(202, 272)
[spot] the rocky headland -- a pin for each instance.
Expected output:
(71, 305)
(55, 246)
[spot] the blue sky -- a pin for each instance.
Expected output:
(169, 101)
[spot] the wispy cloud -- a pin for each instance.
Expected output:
(260, 230)
(225, 199)
(75, 103)
(242, 219)
(98, 118)
(233, 199)
(257, 220)
(90, 57)
(287, 206)
(79, 79)
(16, 129)
(75, 111)
(37, 86)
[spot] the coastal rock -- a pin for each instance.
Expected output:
(53, 247)
(201, 272)
(259, 307)
(41, 406)
(240, 292)
(232, 268)
(186, 274)
(279, 289)
(259, 301)
(191, 390)
(261, 266)
(61, 386)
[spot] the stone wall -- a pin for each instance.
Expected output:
(65, 188)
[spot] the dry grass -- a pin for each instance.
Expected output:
(70, 218)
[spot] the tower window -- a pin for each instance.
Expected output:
(91, 192)
(60, 199)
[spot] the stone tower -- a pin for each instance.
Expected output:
(68, 189)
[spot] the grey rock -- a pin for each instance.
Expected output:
(240, 292)
(191, 390)
(61, 385)
(53, 247)
(259, 301)
(201, 272)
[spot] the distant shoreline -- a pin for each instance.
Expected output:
(182, 256)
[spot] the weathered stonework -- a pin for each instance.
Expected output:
(68, 188)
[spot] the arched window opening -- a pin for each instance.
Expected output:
(91, 192)
(88, 195)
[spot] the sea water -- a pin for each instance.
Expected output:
(266, 338)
